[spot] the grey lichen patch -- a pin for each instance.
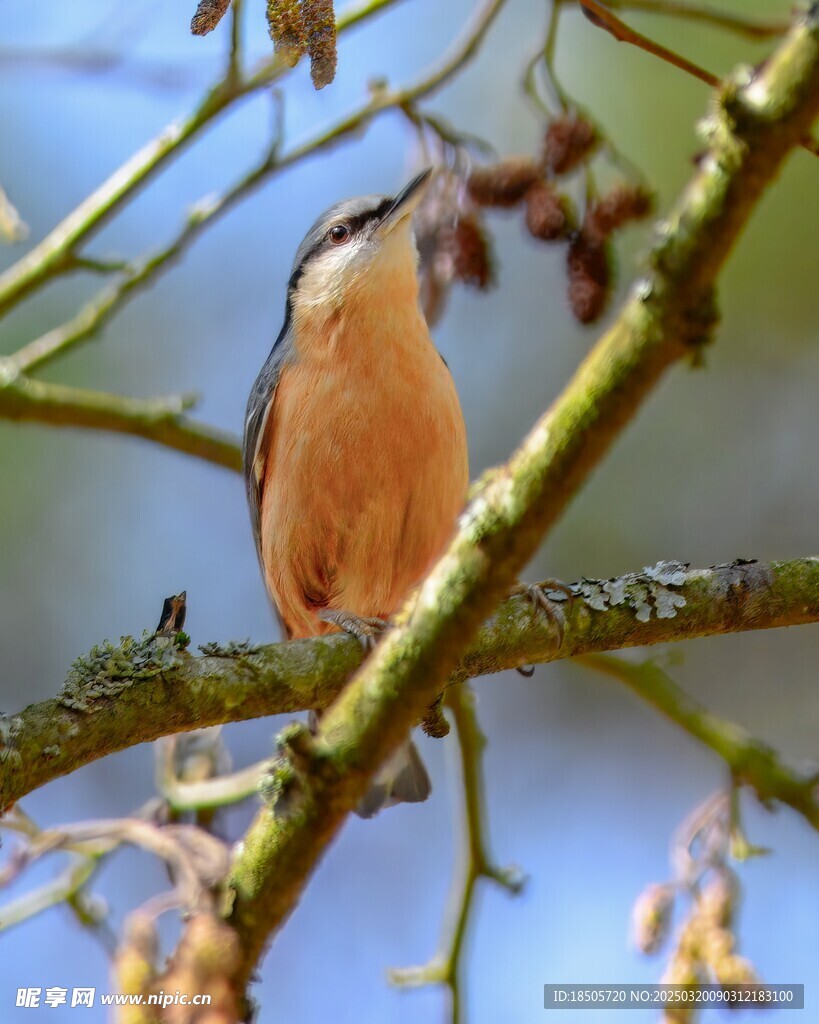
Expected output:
(240, 651)
(651, 590)
(108, 669)
(50, 752)
(231, 649)
(746, 579)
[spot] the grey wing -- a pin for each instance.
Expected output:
(257, 418)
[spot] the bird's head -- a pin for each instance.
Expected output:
(360, 251)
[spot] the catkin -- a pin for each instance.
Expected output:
(286, 25)
(504, 183)
(208, 15)
(320, 27)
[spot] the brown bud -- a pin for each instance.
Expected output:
(622, 204)
(546, 212)
(208, 15)
(504, 183)
(569, 140)
(467, 244)
(320, 28)
(286, 25)
(651, 917)
(589, 273)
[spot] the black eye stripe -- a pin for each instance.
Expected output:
(322, 242)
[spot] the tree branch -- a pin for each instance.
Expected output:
(52, 256)
(755, 122)
(751, 761)
(55, 737)
(738, 23)
(155, 419)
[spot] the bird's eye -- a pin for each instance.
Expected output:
(339, 234)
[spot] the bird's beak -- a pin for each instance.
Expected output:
(405, 202)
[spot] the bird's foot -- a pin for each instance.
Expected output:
(550, 607)
(367, 630)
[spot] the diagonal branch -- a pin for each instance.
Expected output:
(755, 122)
(740, 24)
(53, 255)
(751, 761)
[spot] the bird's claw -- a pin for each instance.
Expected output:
(367, 630)
(536, 594)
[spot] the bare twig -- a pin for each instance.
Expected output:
(741, 25)
(474, 862)
(161, 420)
(204, 794)
(751, 762)
(600, 15)
(52, 256)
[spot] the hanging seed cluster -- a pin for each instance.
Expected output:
(296, 27)
(208, 15)
(453, 244)
(529, 183)
(285, 22)
(305, 26)
(704, 946)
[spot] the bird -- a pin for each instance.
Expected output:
(355, 448)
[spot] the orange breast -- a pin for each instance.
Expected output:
(366, 472)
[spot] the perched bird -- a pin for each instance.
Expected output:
(355, 449)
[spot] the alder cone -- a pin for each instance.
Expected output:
(545, 212)
(589, 272)
(504, 183)
(569, 140)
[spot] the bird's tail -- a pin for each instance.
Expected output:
(402, 780)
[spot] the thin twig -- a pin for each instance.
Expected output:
(234, 69)
(205, 794)
(751, 761)
(52, 256)
(737, 23)
(474, 862)
(601, 16)
(156, 419)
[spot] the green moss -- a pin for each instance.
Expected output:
(109, 669)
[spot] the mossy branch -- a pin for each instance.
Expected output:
(125, 695)
(161, 420)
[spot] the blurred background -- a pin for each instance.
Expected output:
(585, 785)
